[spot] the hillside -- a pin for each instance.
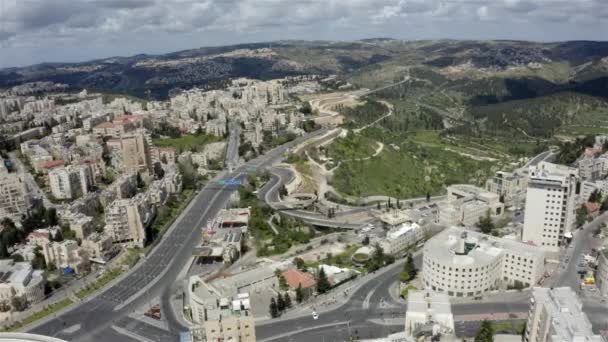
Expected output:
(368, 63)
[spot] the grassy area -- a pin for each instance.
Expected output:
(509, 327)
(190, 142)
(406, 290)
(51, 309)
(343, 259)
(418, 166)
(351, 147)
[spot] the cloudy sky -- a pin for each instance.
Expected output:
(34, 31)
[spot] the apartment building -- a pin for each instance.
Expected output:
(507, 185)
(127, 219)
(132, 152)
(591, 168)
(550, 205)
(402, 237)
(14, 199)
(556, 315)
(66, 254)
(70, 182)
(463, 263)
(98, 246)
(219, 318)
(19, 279)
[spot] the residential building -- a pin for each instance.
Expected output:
(219, 318)
(98, 246)
(72, 181)
(556, 315)
(466, 204)
(132, 153)
(430, 312)
(464, 263)
(592, 168)
(14, 199)
(507, 185)
(21, 280)
(127, 220)
(66, 254)
(550, 205)
(82, 225)
(402, 237)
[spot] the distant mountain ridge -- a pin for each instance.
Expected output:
(209, 66)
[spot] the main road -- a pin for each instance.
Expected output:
(91, 320)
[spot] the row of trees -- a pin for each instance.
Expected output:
(279, 304)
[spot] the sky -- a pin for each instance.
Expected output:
(35, 31)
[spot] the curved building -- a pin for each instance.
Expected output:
(464, 263)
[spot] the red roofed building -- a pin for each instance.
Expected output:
(52, 164)
(295, 278)
(593, 209)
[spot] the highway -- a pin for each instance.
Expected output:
(92, 319)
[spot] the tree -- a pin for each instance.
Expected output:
(323, 284)
(485, 223)
(365, 241)
(428, 196)
(283, 283)
(50, 216)
(485, 333)
(280, 303)
(158, 171)
(140, 182)
(581, 216)
(299, 262)
(409, 270)
(287, 300)
(604, 205)
(19, 303)
(274, 310)
(306, 108)
(299, 294)
(595, 196)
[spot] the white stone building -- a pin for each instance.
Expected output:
(66, 254)
(509, 185)
(127, 219)
(401, 237)
(20, 279)
(550, 205)
(14, 199)
(428, 311)
(70, 182)
(556, 315)
(464, 263)
(466, 204)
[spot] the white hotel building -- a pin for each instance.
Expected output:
(550, 205)
(464, 263)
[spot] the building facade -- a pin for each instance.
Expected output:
(14, 199)
(127, 220)
(556, 315)
(550, 205)
(463, 263)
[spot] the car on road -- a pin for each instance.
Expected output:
(315, 316)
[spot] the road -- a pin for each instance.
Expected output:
(92, 320)
(232, 147)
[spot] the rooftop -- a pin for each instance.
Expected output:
(296, 277)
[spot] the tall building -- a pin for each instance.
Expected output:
(127, 219)
(70, 182)
(550, 205)
(219, 318)
(556, 316)
(463, 263)
(14, 200)
(601, 275)
(132, 152)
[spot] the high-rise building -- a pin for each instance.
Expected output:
(556, 316)
(550, 205)
(71, 182)
(14, 200)
(127, 219)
